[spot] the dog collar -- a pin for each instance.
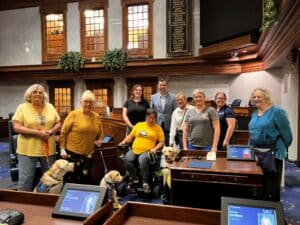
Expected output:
(109, 183)
(55, 178)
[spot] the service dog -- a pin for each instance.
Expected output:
(169, 156)
(110, 179)
(52, 180)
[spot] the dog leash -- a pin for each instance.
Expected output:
(46, 147)
(103, 161)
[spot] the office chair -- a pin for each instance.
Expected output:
(236, 102)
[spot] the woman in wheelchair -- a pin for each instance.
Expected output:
(148, 137)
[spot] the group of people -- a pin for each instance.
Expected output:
(168, 120)
(37, 122)
(201, 127)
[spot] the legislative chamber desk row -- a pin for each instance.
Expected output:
(201, 188)
(204, 187)
(197, 187)
(37, 209)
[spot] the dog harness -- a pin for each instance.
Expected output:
(42, 188)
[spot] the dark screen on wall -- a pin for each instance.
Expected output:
(225, 19)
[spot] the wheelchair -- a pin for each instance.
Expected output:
(130, 187)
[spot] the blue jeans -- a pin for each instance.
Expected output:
(27, 167)
(131, 160)
(205, 148)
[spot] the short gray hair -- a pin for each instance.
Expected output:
(198, 91)
(31, 89)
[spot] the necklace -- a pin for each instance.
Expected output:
(260, 112)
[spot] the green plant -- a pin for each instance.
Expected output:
(270, 15)
(71, 61)
(114, 59)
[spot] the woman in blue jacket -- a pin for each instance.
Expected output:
(269, 127)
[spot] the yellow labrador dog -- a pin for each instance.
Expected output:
(52, 179)
(168, 157)
(110, 179)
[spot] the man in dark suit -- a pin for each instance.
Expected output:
(164, 104)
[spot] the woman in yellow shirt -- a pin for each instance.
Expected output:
(36, 121)
(148, 137)
(82, 129)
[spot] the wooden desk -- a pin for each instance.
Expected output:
(37, 208)
(115, 128)
(133, 213)
(203, 188)
(240, 137)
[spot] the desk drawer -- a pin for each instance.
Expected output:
(214, 177)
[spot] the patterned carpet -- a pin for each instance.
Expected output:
(5, 180)
(290, 196)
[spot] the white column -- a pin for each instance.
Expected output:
(120, 90)
(73, 27)
(79, 88)
(289, 102)
(115, 24)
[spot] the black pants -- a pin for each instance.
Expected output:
(178, 139)
(272, 183)
(82, 169)
(166, 133)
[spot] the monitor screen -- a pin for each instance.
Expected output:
(240, 214)
(79, 201)
(107, 138)
(236, 211)
(240, 152)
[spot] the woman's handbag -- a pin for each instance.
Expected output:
(178, 137)
(266, 159)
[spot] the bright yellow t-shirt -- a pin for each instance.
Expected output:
(31, 145)
(80, 131)
(146, 137)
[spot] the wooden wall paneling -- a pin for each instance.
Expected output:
(115, 128)
(276, 43)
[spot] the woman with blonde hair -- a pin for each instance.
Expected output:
(82, 129)
(269, 129)
(36, 122)
(201, 128)
(177, 120)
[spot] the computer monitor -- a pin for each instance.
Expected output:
(236, 211)
(78, 201)
(240, 152)
(107, 138)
